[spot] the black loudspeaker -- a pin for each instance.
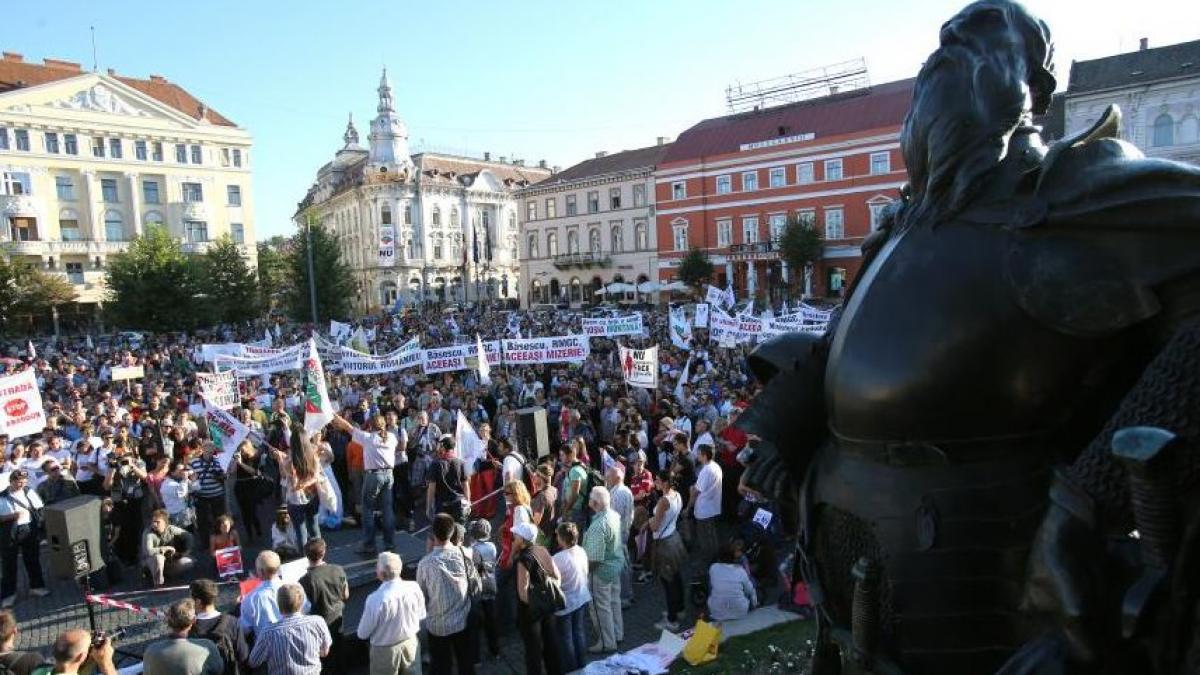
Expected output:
(69, 523)
(533, 433)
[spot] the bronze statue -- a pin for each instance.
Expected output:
(1010, 391)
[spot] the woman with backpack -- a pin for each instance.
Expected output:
(537, 579)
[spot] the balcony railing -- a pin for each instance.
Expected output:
(565, 260)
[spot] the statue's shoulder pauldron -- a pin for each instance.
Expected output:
(1103, 229)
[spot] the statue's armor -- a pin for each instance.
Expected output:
(953, 487)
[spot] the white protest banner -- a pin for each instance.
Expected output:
(714, 296)
(226, 432)
(357, 363)
(210, 352)
(318, 409)
(21, 412)
(700, 319)
(338, 330)
(219, 388)
(481, 362)
(387, 245)
(640, 367)
(258, 349)
(469, 445)
(291, 358)
(446, 359)
(749, 328)
(613, 326)
(127, 373)
(680, 329)
(721, 326)
(567, 348)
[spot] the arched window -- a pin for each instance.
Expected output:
(455, 247)
(1189, 130)
(555, 290)
(640, 241)
(552, 244)
(618, 240)
(576, 290)
(485, 218)
(1164, 131)
(409, 253)
(572, 242)
(436, 240)
(153, 218)
(437, 217)
(114, 225)
(385, 215)
(533, 246)
(513, 253)
(408, 214)
(594, 240)
(454, 217)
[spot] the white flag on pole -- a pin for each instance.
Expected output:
(468, 443)
(31, 350)
(683, 378)
(318, 409)
(482, 365)
(226, 432)
(90, 344)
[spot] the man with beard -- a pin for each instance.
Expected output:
(1014, 301)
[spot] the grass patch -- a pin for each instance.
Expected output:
(779, 649)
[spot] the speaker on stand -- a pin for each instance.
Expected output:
(533, 433)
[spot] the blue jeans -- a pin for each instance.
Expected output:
(377, 491)
(304, 521)
(572, 639)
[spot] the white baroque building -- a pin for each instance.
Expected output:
(88, 160)
(1158, 90)
(453, 219)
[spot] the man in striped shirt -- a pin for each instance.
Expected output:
(295, 644)
(209, 480)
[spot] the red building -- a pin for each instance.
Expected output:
(728, 185)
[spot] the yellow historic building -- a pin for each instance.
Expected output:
(88, 160)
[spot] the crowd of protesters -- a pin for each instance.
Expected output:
(633, 489)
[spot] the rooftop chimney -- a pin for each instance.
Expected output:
(833, 89)
(62, 65)
(112, 72)
(602, 153)
(1143, 44)
(13, 57)
(661, 140)
(541, 163)
(158, 78)
(518, 162)
(555, 169)
(487, 156)
(503, 159)
(201, 111)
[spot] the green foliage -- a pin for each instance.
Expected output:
(695, 268)
(801, 243)
(274, 271)
(334, 283)
(229, 283)
(153, 285)
(26, 290)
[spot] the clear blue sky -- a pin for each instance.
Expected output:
(553, 80)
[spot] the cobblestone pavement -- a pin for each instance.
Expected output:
(42, 619)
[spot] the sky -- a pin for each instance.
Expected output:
(533, 80)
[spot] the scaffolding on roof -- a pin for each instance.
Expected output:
(823, 81)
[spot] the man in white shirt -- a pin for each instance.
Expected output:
(621, 501)
(378, 482)
(18, 503)
(705, 505)
(174, 491)
(391, 619)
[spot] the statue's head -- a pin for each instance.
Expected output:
(993, 69)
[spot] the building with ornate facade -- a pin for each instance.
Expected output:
(588, 226)
(429, 226)
(1158, 90)
(88, 160)
(729, 184)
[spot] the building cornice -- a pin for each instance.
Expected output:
(585, 181)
